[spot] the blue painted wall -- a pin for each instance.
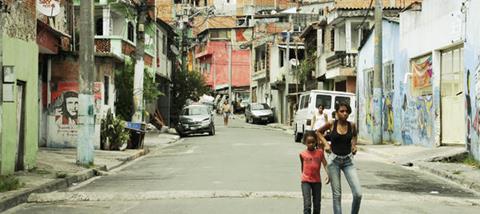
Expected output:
(472, 78)
(366, 119)
(410, 117)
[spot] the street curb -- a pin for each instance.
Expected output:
(472, 185)
(62, 183)
(469, 184)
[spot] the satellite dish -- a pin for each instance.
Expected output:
(174, 49)
(294, 62)
(273, 12)
(48, 8)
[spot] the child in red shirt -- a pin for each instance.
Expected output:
(312, 159)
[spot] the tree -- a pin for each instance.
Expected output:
(124, 87)
(186, 85)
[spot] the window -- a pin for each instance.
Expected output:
(332, 39)
(389, 78)
(99, 27)
(259, 106)
(106, 88)
(324, 100)
(282, 57)
(339, 99)
(368, 82)
(164, 42)
(306, 101)
(131, 32)
(195, 110)
(219, 34)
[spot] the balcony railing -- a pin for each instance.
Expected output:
(341, 59)
(119, 47)
(260, 66)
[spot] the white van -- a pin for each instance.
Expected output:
(309, 102)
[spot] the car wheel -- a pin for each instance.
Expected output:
(297, 136)
(212, 130)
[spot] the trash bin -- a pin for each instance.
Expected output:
(137, 134)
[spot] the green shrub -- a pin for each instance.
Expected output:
(9, 182)
(113, 134)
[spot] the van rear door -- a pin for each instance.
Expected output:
(349, 100)
(326, 101)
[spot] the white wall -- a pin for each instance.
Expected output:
(224, 8)
(437, 26)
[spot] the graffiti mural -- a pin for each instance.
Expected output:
(407, 121)
(64, 109)
(369, 113)
(63, 112)
(418, 119)
(388, 113)
(425, 117)
(422, 72)
(468, 107)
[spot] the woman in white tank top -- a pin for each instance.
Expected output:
(319, 118)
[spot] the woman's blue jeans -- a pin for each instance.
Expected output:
(345, 164)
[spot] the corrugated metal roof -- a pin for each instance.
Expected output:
(218, 22)
(363, 4)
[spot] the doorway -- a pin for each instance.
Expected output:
(452, 97)
(20, 152)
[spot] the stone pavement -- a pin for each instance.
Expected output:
(56, 168)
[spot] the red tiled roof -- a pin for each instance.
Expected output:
(363, 4)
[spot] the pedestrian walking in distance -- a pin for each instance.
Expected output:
(311, 161)
(343, 137)
(226, 112)
(319, 118)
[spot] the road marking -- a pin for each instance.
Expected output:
(162, 195)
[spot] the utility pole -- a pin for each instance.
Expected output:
(287, 61)
(230, 72)
(2, 24)
(139, 64)
(86, 122)
(377, 76)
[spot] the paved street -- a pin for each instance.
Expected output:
(245, 169)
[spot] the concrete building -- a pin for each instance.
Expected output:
(115, 43)
(391, 78)
(218, 49)
(431, 73)
(471, 80)
(275, 45)
(19, 108)
(429, 77)
(165, 66)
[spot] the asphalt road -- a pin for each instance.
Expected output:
(246, 169)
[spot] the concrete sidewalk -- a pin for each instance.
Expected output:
(56, 168)
(429, 159)
(285, 128)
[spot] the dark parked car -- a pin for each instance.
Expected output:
(258, 113)
(195, 119)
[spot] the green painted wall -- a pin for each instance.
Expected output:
(24, 56)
